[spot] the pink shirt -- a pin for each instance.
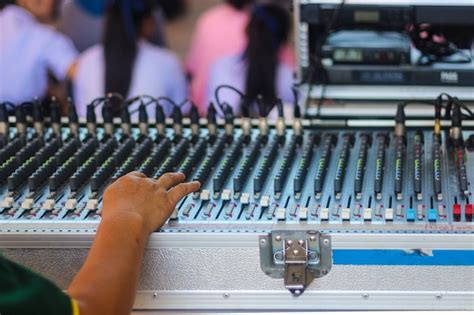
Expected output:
(219, 32)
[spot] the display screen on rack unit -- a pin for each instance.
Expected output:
(253, 179)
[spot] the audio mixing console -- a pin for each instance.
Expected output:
(255, 177)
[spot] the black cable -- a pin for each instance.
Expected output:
(108, 110)
(296, 106)
(72, 113)
(142, 103)
(279, 104)
(464, 106)
(186, 101)
(454, 101)
(97, 101)
(400, 114)
(151, 100)
(10, 104)
(448, 107)
(169, 100)
(110, 96)
(261, 106)
(264, 110)
(226, 86)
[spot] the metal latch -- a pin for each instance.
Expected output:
(296, 256)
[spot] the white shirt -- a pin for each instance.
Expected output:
(232, 70)
(27, 50)
(156, 72)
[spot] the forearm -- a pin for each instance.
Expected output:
(134, 206)
(106, 284)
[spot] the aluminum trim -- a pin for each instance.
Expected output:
(244, 240)
(310, 300)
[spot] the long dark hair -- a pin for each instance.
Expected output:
(240, 4)
(123, 21)
(267, 31)
(4, 3)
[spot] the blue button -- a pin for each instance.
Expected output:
(432, 215)
(411, 215)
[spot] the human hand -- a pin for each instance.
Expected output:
(151, 201)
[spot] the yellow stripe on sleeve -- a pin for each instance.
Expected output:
(74, 307)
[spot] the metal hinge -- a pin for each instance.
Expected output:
(296, 256)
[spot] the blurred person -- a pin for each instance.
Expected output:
(30, 49)
(257, 70)
(219, 32)
(83, 22)
(126, 63)
(133, 207)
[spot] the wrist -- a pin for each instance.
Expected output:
(129, 221)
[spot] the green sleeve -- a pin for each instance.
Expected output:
(22, 292)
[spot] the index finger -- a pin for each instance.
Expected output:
(179, 191)
(169, 180)
(137, 174)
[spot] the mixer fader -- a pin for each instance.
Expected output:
(254, 177)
